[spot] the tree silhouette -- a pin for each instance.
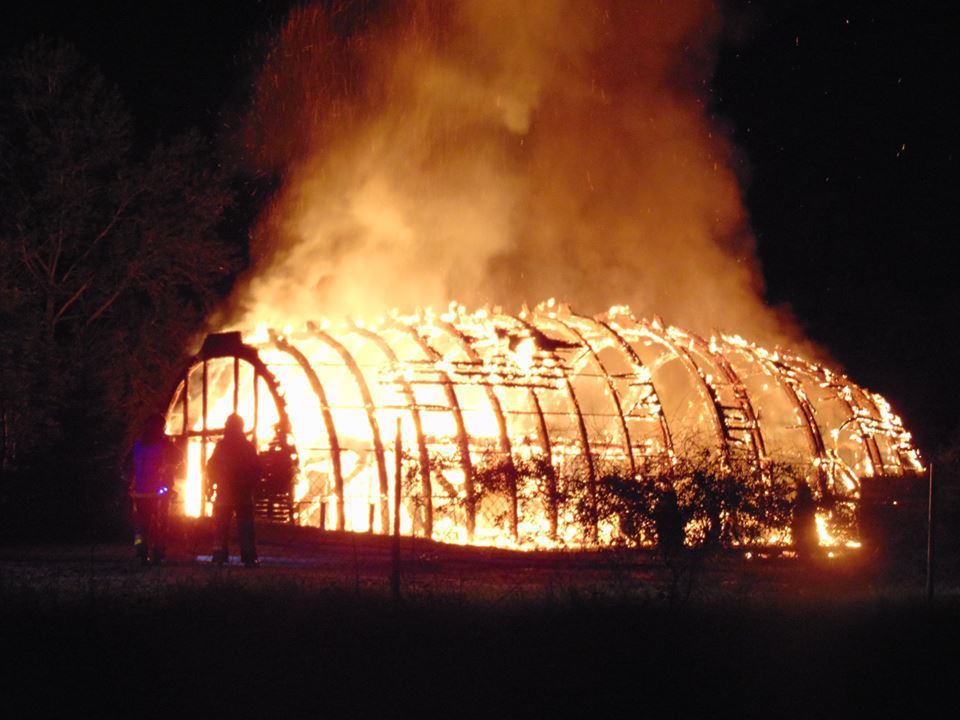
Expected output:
(110, 260)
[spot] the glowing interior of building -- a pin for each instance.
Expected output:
(491, 410)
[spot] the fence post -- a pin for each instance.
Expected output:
(397, 466)
(930, 530)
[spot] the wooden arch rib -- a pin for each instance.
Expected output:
(634, 360)
(739, 391)
(503, 437)
(867, 401)
(422, 453)
(236, 349)
(611, 388)
(282, 344)
(543, 436)
(370, 409)
(706, 390)
(794, 392)
(837, 384)
(463, 442)
(581, 425)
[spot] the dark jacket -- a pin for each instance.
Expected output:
(235, 468)
(154, 462)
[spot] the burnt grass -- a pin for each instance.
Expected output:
(86, 632)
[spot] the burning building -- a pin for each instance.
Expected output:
(486, 421)
(496, 151)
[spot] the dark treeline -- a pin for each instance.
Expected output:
(112, 254)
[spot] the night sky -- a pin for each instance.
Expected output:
(845, 115)
(840, 110)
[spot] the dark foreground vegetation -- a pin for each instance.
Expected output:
(315, 631)
(229, 646)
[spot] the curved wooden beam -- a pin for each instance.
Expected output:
(370, 409)
(328, 423)
(426, 487)
(463, 441)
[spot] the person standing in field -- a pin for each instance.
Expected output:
(234, 469)
(154, 464)
(803, 525)
(669, 523)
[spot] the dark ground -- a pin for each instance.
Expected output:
(314, 631)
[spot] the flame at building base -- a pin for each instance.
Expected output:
(504, 429)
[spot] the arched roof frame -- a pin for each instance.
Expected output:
(611, 388)
(463, 441)
(639, 370)
(328, 423)
(423, 455)
(575, 404)
(503, 436)
(370, 408)
(217, 346)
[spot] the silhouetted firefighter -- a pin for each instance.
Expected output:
(669, 523)
(234, 468)
(154, 463)
(803, 525)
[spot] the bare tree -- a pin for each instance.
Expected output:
(110, 257)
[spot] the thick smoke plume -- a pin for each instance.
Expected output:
(495, 151)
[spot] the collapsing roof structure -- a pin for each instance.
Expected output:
(481, 415)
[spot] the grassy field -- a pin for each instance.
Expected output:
(316, 631)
